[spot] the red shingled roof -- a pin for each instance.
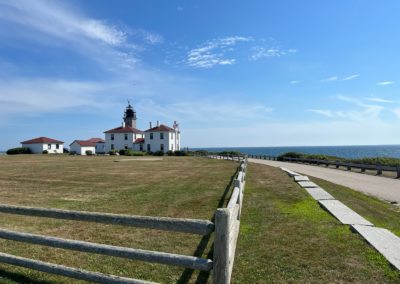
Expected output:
(42, 140)
(160, 128)
(126, 129)
(139, 140)
(95, 140)
(84, 143)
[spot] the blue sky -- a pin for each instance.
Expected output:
(232, 73)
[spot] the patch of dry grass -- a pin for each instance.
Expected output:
(175, 186)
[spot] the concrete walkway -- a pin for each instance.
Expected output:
(384, 188)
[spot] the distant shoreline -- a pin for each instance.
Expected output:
(351, 152)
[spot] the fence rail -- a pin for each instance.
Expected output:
(226, 227)
(363, 167)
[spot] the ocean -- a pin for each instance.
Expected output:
(351, 152)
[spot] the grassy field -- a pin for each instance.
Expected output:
(285, 236)
(174, 187)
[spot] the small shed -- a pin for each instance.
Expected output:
(81, 146)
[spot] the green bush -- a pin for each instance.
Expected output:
(392, 162)
(170, 153)
(225, 153)
(45, 152)
(89, 152)
(130, 152)
(112, 152)
(158, 153)
(19, 150)
(180, 153)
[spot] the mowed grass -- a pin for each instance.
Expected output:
(174, 187)
(286, 237)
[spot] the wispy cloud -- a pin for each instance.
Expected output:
(295, 82)
(380, 100)
(55, 23)
(263, 52)
(385, 83)
(324, 112)
(213, 52)
(351, 77)
(330, 79)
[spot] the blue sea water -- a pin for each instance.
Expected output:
(351, 152)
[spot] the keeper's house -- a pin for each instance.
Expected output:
(160, 138)
(40, 144)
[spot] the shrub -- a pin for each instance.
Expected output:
(224, 153)
(158, 153)
(45, 152)
(170, 153)
(130, 152)
(89, 152)
(112, 152)
(65, 151)
(19, 150)
(180, 153)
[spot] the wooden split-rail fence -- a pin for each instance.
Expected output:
(225, 227)
(363, 167)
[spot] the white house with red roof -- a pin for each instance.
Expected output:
(159, 138)
(40, 144)
(81, 147)
(162, 138)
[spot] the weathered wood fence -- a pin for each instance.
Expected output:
(226, 229)
(363, 167)
(378, 168)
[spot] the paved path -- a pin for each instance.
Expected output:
(381, 187)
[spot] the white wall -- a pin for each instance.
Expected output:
(81, 150)
(39, 148)
(170, 142)
(100, 148)
(119, 141)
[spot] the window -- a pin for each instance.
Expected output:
(48, 146)
(126, 136)
(162, 147)
(161, 135)
(126, 146)
(112, 146)
(151, 136)
(57, 146)
(112, 136)
(141, 147)
(148, 148)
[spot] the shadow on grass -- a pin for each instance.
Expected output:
(20, 278)
(201, 247)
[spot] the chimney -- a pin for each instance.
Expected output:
(151, 125)
(158, 123)
(123, 124)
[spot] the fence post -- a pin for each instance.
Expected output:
(221, 273)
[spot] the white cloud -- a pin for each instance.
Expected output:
(327, 113)
(351, 77)
(213, 52)
(330, 79)
(385, 83)
(57, 24)
(379, 100)
(295, 82)
(263, 52)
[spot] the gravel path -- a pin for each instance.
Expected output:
(384, 188)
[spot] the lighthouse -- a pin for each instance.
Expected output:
(130, 116)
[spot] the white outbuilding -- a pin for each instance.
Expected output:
(40, 144)
(81, 147)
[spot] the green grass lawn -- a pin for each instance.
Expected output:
(285, 237)
(174, 187)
